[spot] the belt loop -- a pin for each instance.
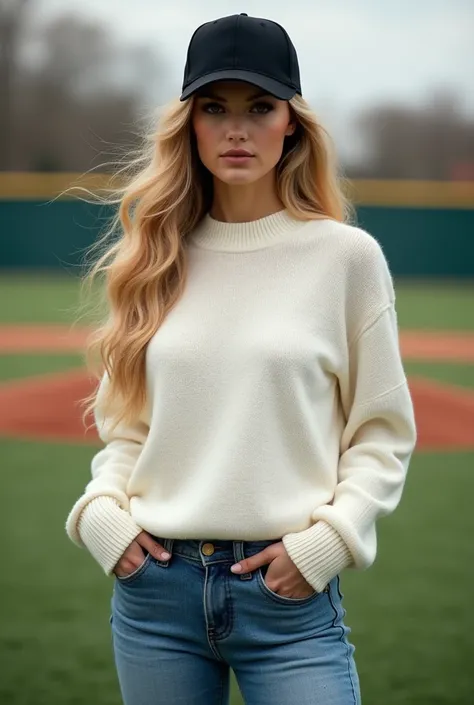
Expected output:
(239, 555)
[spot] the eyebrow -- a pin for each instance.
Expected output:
(211, 94)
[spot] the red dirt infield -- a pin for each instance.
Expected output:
(46, 407)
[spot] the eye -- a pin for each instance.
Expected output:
(262, 108)
(212, 108)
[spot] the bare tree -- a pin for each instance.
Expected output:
(428, 142)
(78, 105)
(80, 101)
(12, 13)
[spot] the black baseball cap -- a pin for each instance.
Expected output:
(242, 48)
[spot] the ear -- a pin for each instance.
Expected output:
(290, 129)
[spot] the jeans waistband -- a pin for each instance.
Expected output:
(210, 551)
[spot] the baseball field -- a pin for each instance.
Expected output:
(411, 613)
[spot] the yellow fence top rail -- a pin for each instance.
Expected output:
(432, 194)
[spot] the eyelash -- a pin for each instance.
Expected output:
(268, 108)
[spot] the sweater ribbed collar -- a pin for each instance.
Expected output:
(211, 234)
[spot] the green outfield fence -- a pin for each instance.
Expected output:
(426, 228)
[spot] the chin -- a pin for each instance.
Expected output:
(237, 176)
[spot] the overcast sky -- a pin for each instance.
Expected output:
(352, 53)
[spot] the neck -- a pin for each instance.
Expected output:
(246, 202)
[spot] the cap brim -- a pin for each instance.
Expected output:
(279, 90)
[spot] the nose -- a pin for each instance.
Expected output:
(236, 131)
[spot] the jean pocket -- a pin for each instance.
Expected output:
(137, 572)
(282, 599)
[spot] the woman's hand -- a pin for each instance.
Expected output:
(282, 576)
(134, 556)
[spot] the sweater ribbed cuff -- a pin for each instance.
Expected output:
(106, 531)
(319, 553)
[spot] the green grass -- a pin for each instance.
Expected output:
(412, 622)
(31, 298)
(27, 365)
(54, 604)
(411, 616)
(448, 306)
(461, 375)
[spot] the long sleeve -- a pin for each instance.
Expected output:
(100, 520)
(376, 446)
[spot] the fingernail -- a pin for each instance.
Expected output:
(236, 568)
(165, 556)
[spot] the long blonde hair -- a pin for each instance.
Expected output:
(165, 191)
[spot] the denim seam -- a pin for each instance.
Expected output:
(349, 667)
(348, 664)
(199, 560)
(128, 579)
(210, 640)
(343, 641)
(189, 558)
(230, 611)
(279, 601)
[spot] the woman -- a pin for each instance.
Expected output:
(254, 407)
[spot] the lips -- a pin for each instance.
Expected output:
(237, 153)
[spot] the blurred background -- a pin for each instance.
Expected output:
(393, 85)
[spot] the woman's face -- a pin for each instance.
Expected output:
(234, 115)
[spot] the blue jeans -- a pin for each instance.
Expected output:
(178, 626)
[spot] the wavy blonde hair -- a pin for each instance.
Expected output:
(165, 191)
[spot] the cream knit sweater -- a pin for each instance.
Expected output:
(278, 404)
